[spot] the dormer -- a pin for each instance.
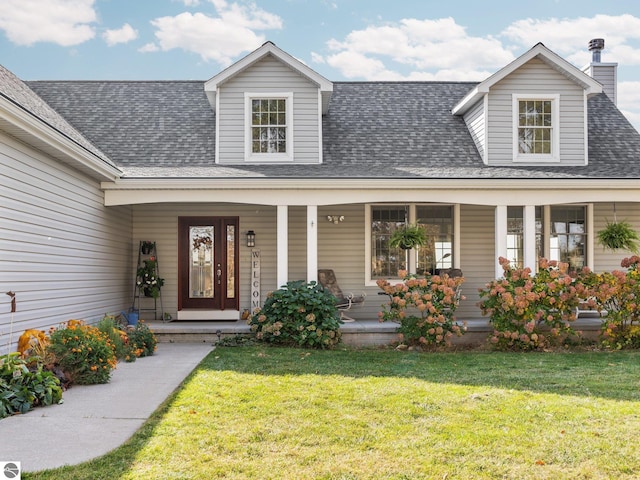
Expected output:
(531, 112)
(269, 109)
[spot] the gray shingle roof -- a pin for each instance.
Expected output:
(15, 90)
(372, 130)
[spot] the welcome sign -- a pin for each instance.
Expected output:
(255, 279)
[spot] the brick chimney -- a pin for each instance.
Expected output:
(605, 73)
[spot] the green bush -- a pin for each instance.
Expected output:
(21, 389)
(425, 308)
(300, 313)
(83, 353)
(142, 340)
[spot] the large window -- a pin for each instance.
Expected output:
(535, 128)
(386, 261)
(269, 129)
(515, 236)
(568, 236)
(435, 255)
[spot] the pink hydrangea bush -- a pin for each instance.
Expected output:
(425, 308)
(531, 312)
(618, 294)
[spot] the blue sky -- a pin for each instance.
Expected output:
(340, 39)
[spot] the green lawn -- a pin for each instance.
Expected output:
(275, 413)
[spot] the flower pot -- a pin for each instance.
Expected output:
(146, 249)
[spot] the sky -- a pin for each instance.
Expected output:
(343, 40)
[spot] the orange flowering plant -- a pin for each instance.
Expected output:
(532, 311)
(425, 308)
(82, 352)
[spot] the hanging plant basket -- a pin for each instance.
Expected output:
(408, 237)
(619, 236)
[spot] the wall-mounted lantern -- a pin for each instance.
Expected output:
(251, 238)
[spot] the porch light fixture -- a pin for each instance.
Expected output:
(251, 238)
(335, 219)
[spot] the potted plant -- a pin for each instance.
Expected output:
(619, 235)
(148, 280)
(146, 247)
(407, 237)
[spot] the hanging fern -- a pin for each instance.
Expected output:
(619, 236)
(407, 237)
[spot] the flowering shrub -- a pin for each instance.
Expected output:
(142, 340)
(84, 353)
(147, 279)
(300, 313)
(532, 311)
(618, 293)
(118, 338)
(424, 307)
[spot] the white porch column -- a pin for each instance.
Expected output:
(282, 238)
(457, 261)
(312, 243)
(530, 253)
(500, 237)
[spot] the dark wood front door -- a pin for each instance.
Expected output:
(208, 263)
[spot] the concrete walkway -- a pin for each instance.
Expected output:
(95, 419)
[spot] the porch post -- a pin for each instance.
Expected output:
(282, 234)
(530, 252)
(456, 236)
(312, 243)
(500, 237)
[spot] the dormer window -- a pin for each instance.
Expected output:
(536, 132)
(268, 121)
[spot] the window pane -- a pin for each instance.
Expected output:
(568, 235)
(437, 253)
(231, 279)
(201, 262)
(515, 236)
(386, 261)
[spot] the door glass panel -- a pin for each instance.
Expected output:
(231, 265)
(201, 262)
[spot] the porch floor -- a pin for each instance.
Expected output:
(357, 333)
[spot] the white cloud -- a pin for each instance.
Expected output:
(122, 35)
(63, 22)
(220, 38)
(149, 47)
(427, 49)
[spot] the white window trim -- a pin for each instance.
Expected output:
(249, 156)
(369, 282)
(554, 156)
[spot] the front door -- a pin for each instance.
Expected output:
(208, 263)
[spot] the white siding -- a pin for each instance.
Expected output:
(63, 253)
(476, 122)
(477, 255)
(268, 75)
(606, 260)
(536, 77)
(606, 74)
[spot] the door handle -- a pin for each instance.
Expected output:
(219, 274)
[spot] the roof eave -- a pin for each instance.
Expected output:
(268, 48)
(590, 85)
(49, 139)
